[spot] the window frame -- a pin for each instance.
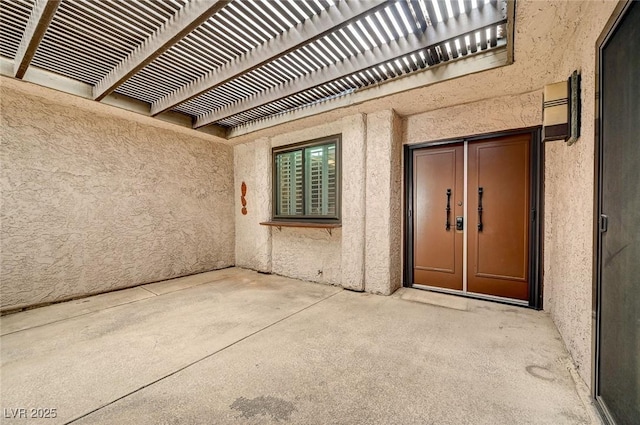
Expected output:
(302, 146)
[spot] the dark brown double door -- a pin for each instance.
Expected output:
(471, 216)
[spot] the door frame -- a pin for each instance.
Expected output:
(609, 29)
(536, 202)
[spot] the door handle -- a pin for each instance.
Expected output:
(448, 225)
(604, 223)
(480, 192)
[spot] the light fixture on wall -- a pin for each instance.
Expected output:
(561, 110)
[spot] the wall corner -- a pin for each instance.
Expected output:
(354, 135)
(383, 203)
(252, 165)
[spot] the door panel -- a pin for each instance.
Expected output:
(499, 251)
(618, 374)
(438, 251)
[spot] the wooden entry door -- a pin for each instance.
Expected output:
(495, 222)
(439, 194)
(499, 217)
(617, 386)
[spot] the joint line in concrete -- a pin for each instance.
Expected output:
(201, 359)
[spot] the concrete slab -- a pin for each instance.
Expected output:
(358, 358)
(180, 283)
(254, 349)
(56, 312)
(433, 298)
(82, 363)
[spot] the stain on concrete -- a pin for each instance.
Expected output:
(277, 408)
(497, 308)
(540, 372)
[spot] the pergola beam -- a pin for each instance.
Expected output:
(179, 25)
(39, 20)
(333, 18)
(453, 28)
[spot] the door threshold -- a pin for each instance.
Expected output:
(484, 297)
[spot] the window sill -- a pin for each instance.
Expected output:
(308, 224)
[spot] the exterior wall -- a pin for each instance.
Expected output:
(309, 254)
(253, 243)
(569, 195)
(354, 151)
(92, 202)
(507, 113)
(383, 203)
(370, 237)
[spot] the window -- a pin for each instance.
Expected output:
(307, 181)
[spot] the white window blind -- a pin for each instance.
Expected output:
(306, 183)
(321, 180)
(289, 177)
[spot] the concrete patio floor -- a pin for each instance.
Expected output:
(234, 346)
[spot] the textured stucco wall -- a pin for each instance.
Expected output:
(252, 165)
(569, 194)
(310, 254)
(92, 202)
(354, 149)
(486, 116)
(383, 203)
(365, 253)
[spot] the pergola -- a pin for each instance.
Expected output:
(230, 67)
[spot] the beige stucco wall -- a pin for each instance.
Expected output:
(569, 194)
(485, 116)
(253, 243)
(354, 168)
(383, 203)
(92, 201)
(309, 254)
(364, 254)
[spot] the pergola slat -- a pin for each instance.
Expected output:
(181, 24)
(89, 41)
(39, 20)
(312, 29)
(431, 11)
(433, 36)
